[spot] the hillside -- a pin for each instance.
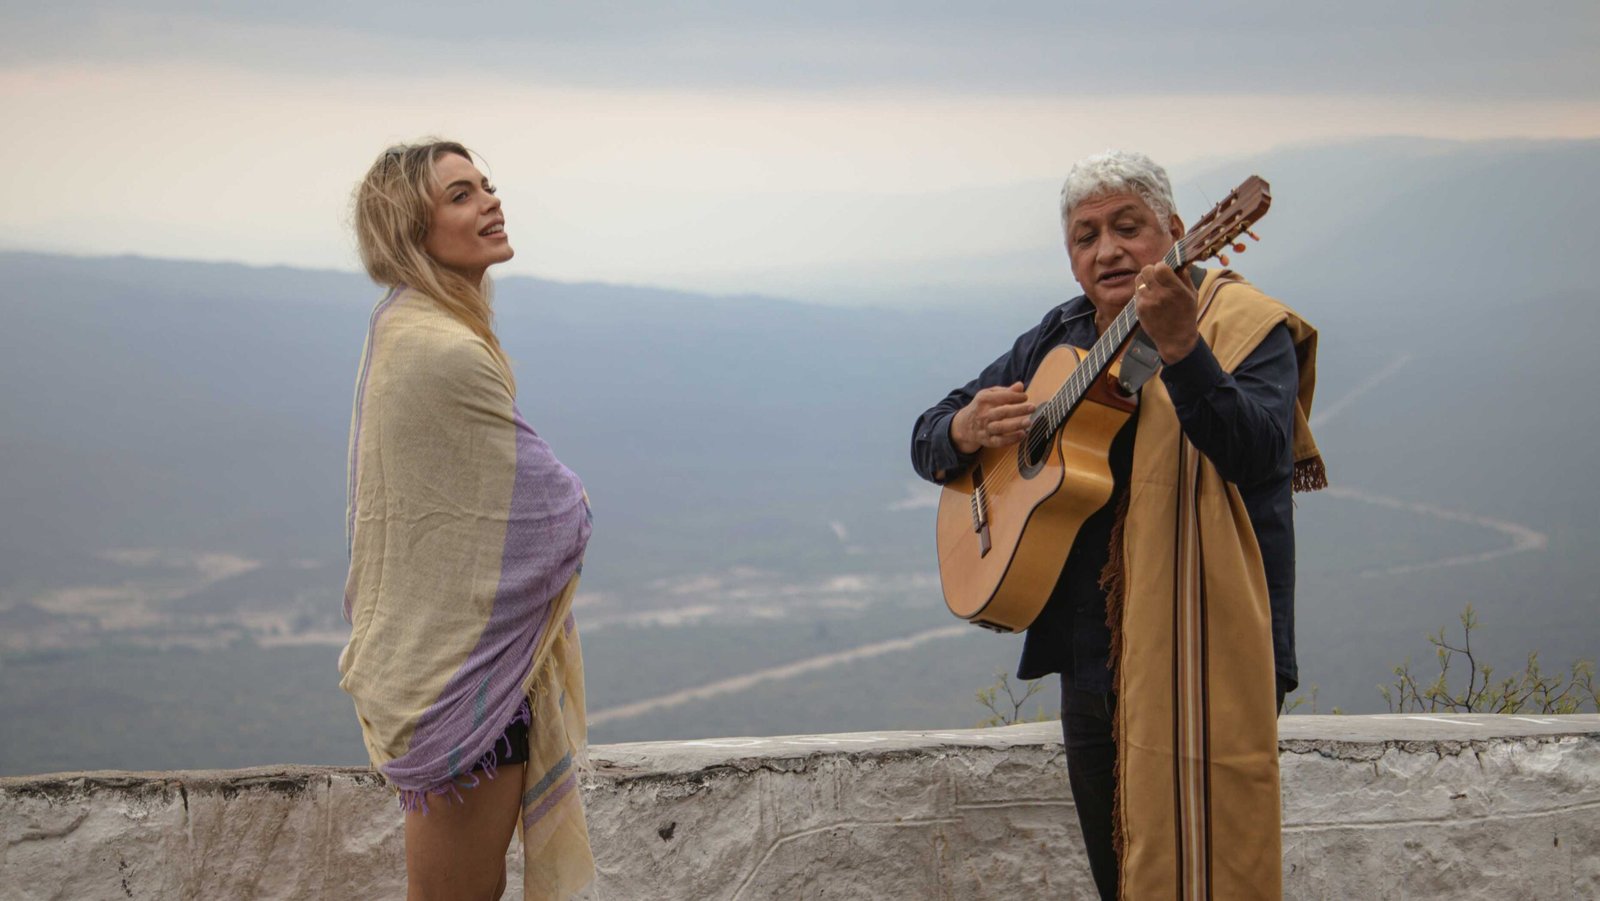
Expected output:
(172, 439)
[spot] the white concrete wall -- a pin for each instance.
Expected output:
(1374, 807)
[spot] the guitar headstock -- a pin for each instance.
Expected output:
(1212, 234)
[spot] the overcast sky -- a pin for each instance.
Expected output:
(718, 146)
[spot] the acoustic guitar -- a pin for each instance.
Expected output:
(1006, 525)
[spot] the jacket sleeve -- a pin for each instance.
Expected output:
(933, 454)
(1242, 421)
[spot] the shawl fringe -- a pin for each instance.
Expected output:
(1113, 578)
(1310, 475)
(415, 800)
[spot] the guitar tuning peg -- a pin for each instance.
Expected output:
(1222, 258)
(1253, 235)
(1238, 247)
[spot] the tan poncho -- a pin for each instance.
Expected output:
(466, 537)
(1197, 742)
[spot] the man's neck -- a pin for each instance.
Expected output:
(1104, 316)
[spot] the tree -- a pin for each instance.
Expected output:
(1007, 711)
(1531, 691)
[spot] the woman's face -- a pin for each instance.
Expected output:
(467, 232)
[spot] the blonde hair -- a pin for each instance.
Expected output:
(393, 207)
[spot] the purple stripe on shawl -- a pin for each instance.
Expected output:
(355, 439)
(556, 772)
(554, 798)
(546, 532)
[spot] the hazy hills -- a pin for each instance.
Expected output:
(172, 439)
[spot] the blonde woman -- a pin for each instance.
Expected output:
(466, 536)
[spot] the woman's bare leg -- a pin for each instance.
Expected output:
(458, 850)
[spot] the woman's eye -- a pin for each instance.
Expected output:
(459, 197)
(490, 189)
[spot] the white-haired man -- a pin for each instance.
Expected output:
(1183, 710)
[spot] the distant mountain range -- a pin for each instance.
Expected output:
(172, 438)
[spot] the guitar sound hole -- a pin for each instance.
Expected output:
(1033, 449)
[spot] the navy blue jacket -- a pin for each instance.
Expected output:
(1242, 421)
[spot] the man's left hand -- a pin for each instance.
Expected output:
(1167, 305)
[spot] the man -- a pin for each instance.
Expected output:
(1198, 557)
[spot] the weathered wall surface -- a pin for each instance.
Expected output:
(1374, 807)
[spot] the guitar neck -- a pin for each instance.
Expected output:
(1056, 410)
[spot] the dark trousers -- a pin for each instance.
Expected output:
(1086, 724)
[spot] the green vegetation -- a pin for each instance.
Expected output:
(1530, 691)
(1007, 711)
(1291, 704)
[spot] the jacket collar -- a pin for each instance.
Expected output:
(1076, 308)
(1067, 315)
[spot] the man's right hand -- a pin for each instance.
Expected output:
(996, 417)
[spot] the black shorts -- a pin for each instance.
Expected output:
(512, 745)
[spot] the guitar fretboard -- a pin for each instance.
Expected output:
(1053, 413)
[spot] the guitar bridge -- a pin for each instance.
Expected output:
(980, 511)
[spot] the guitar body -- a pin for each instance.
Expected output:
(1002, 545)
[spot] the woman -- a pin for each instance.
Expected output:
(466, 536)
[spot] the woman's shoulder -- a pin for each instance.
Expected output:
(412, 313)
(417, 321)
(416, 339)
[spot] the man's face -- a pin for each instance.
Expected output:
(1109, 239)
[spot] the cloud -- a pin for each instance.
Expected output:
(1032, 46)
(827, 197)
(919, 496)
(820, 151)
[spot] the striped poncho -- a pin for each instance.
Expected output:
(1197, 804)
(466, 536)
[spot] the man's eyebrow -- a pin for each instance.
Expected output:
(1119, 211)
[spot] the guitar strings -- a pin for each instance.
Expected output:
(1039, 439)
(1052, 414)
(1175, 258)
(1006, 469)
(1058, 408)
